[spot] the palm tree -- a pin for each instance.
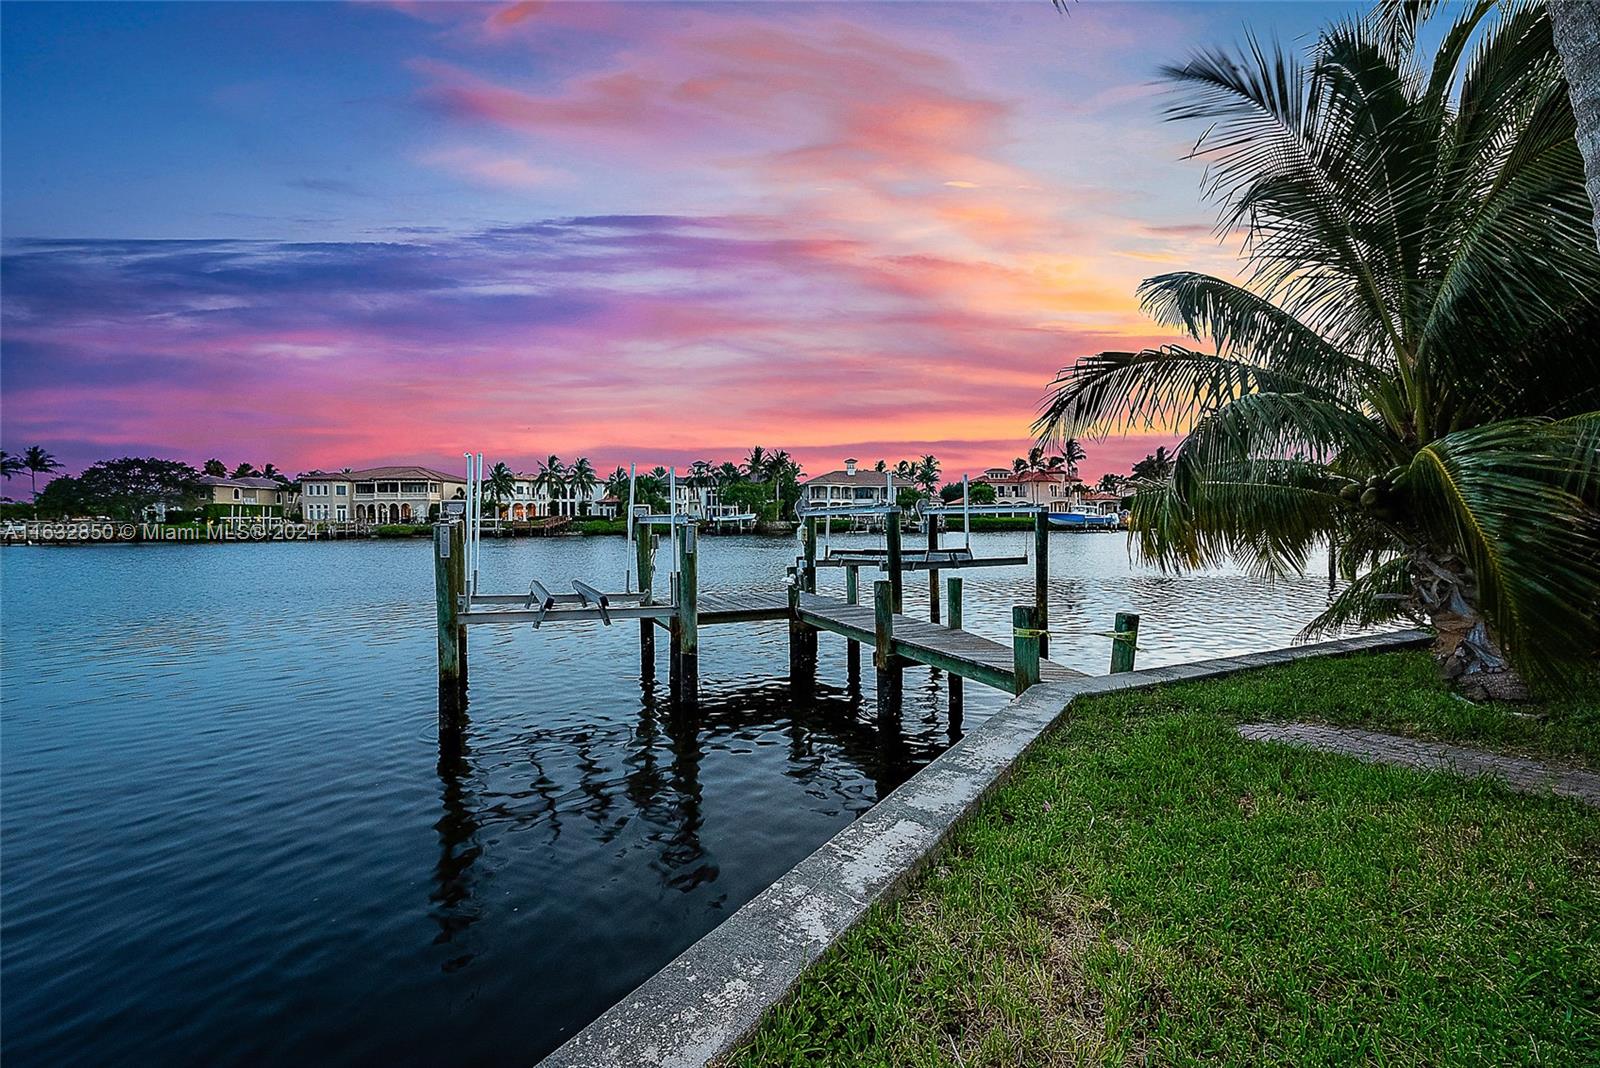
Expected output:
(552, 479)
(1410, 374)
(1018, 466)
(1072, 455)
(215, 468)
(755, 464)
(38, 462)
(927, 475)
(728, 473)
(10, 466)
(617, 484)
(1109, 483)
(499, 486)
(1155, 467)
(583, 480)
(780, 465)
(905, 470)
(881, 466)
(245, 470)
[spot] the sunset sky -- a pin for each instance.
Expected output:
(328, 235)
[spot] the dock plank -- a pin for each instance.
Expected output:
(961, 652)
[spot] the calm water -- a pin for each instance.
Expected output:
(230, 833)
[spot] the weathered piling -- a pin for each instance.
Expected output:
(1041, 578)
(1124, 641)
(811, 554)
(891, 537)
(685, 667)
(933, 572)
(1025, 635)
(852, 595)
(458, 583)
(446, 602)
(890, 672)
(644, 563)
(953, 618)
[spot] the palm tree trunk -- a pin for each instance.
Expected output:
(1576, 24)
(1468, 654)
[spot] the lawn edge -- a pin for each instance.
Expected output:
(703, 1003)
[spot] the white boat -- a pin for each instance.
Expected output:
(1073, 519)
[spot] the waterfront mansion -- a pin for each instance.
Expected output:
(405, 494)
(415, 494)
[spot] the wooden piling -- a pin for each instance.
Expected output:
(446, 605)
(458, 583)
(685, 659)
(891, 537)
(1124, 642)
(852, 595)
(933, 572)
(644, 563)
(890, 672)
(811, 554)
(956, 682)
(1024, 646)
(1041, 578)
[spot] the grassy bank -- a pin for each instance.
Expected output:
(1149, 888)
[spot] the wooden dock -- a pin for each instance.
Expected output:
(674, 602)
(953, 651)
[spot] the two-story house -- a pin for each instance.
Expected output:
(849, 488)
(242, 498)
(400, 494)
(1057, 490)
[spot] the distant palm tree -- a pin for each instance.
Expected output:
(245, 470)
(1156, 467)
(881, 466)
(499, 486)
(1018, 466)
(905, 470)
(215, 468)
(617, 484)
(1411, 373)
(781, 466)
(552, 479)
(927, 475)
(1109, 483)
(1036, 458)
(39, 462)
(1072, 454)
(755, 464)
(728, 473)
(10, 466)
(583, 480)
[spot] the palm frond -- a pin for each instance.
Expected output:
(1377, 596)
(1502, 495)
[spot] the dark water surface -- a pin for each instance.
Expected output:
(230, 833)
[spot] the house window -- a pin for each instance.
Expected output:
(235, 494)
(339, 491)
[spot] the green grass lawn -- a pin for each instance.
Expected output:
(1148, 888)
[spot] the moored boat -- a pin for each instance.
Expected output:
(1072, 519)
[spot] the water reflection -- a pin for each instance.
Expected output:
(452, 906)
(832, 737)
(278, 826)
